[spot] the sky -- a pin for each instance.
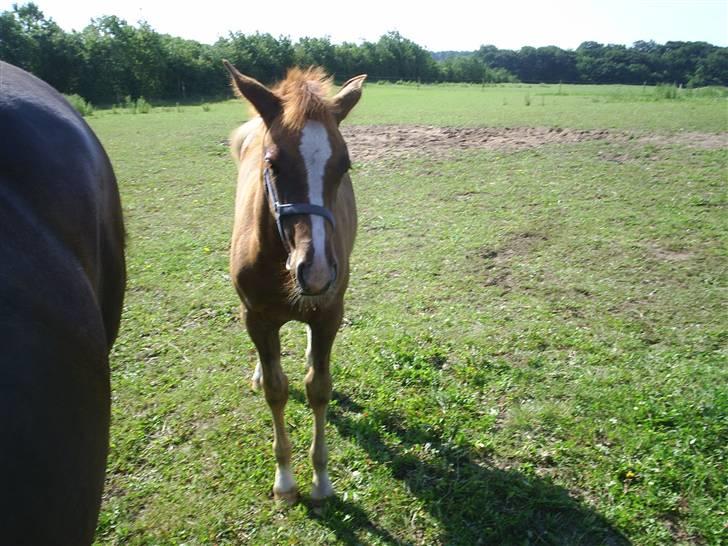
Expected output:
(437, 25)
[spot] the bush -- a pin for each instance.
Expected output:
(83, 107)
(498, 75)
(142, 106)
(665, 91)
(138, 106)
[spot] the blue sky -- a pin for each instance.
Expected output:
(436, 25)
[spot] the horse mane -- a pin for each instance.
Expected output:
(304, 94)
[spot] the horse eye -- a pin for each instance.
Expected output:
(273, 166)
(272, 155)
(272, 160)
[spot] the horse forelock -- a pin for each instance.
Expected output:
(304, 94)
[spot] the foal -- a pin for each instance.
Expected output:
(295, 224)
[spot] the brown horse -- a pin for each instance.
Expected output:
(295, 224)
(61, 289)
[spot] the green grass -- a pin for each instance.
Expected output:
(572, 106)
(534, 348)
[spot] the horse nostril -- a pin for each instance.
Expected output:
(299, 274)
(315, 281)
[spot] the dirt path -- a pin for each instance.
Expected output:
(378, 142)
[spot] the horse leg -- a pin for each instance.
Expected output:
(257, 380)
(275, 387)
(318, 392)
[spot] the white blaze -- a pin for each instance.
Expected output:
(315, 149)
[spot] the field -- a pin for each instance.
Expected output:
(535, 343)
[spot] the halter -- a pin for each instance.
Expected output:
(289, 209)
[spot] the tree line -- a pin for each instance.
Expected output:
(111, 59)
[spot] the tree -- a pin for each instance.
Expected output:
(402, 59)
(16, 45)
(258, 55)
(111, 59)
(712, 70)
(315, 52)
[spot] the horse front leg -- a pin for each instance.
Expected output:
(256, 382)
(318, 392)
(266, 338)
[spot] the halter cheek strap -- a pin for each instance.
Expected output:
(289, 209)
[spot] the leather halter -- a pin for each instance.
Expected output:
(289, 209)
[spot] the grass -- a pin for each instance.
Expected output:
(534, 348)
(620, 107)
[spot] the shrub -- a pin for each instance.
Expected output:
(142, 106)
(138, 106)
(498, 75)
(666, 91)
(129, 104)
(83, 107)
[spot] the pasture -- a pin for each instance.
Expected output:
(534, 350)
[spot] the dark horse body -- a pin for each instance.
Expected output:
(62, 280)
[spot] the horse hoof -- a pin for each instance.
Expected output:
(319, 503)
(321, 487)
(255, 384)
(320, 496)
(287, 497)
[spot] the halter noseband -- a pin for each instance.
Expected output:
(289, 209)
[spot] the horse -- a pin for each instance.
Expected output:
(62, 278)
(294, 230)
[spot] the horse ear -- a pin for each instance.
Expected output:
(347, 97)
(267, 104)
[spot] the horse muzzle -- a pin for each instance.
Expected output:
(315, 279)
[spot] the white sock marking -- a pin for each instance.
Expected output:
(322, 487)
(309, 339)
(284, 481)
(257, 376)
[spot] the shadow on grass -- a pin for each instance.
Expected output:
(474, 502)
(346, 520)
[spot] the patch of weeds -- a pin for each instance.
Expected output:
(84, 107)
(136, 106)
(664, 91)
(143, 106)
(412, 362)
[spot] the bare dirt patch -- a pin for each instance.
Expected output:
(380, 142)
(495, 264)
(668, 255)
